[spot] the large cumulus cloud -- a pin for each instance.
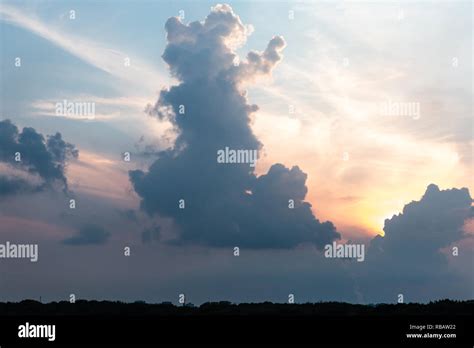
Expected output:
(426, 226)
(413, 256)
(43, 159)
(225, 204)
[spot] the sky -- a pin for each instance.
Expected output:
(361, 114)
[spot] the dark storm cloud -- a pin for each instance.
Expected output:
(12, 185)
(225, 204)
(46, 158)
(426, 226)
(89, 234)
(409, 259)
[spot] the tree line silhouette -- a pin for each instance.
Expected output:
(141, 308)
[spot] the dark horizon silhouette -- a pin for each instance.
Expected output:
(141, 308)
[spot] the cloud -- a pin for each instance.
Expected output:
(104, 108)
(261, 63)
(92, 52)
(89, 234)
(11, 186)
(410, 254)
(205, 50)
(46, 158)
(225, 204)
(426, 226)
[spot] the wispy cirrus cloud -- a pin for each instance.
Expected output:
(95, 53)
(112, 108)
